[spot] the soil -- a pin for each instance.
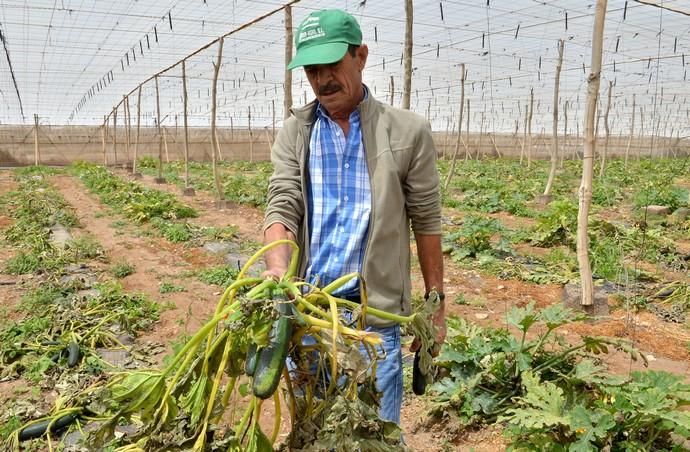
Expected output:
(487, 299)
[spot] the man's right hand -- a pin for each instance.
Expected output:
(278, 258)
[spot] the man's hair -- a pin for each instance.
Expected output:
(352, 50)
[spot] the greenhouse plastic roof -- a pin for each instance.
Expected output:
(72, 61)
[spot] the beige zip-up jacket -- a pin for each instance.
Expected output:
(401, 160)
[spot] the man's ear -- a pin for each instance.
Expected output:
(362, 54)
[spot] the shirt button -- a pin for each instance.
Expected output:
(347, 165)
(337, 133)
(342, 228)
(346, 198)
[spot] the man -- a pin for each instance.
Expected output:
(351, 175)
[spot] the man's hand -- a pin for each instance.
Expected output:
(278, 258)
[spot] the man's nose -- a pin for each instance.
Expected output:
(323, 74)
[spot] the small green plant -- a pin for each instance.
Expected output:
(167, 287)
(474, 238)
(175, 232)
(558, 225)
(122, 269)
(223, 275)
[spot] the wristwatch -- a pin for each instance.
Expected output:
(441, 296)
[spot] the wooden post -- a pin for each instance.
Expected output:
(165, 144)
(273, 120)
(481, 133)
(214, 138)
(641, 138)
(106, 120)
(524, 134)
(103, 132)
(467, 132)
(565, 132)
(607, 129)
(287, 85)
(185, 101)
(115, 133)
(392, 89)
(127, 126)
(407, 57)
(37, 157)
(251, 135)
(160, 179)
(554, 144)
(457, 141)
(529, 128)
(585, 191)
(136, 143)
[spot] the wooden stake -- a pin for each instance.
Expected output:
(607, 129)
(467, 132)
(185, 100)
(565, 133)
(106, 120)
(524, 134)
(554, 144)
(287, 85)
(214, 137)
(160, 135)
(585, 191)
(457, 141)
(251, 135)
(37, 157)
(529, 128)
(392, 90)
(273, 120)
(127, 127)
(103, 126)
(165, 143)
(115, 133)
(136, 143)
(407, 56)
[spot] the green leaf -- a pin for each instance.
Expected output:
(522, 318)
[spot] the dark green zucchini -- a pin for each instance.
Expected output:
(73, 354)
(271, 359)
(418, 379)
(250, 362)
(39, 429)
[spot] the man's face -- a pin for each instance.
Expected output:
(338, 86)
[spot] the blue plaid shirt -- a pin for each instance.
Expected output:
(339, 202)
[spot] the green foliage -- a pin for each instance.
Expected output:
(175, 232)
(122, 269)
(661, 193)
(557, 225)
(474, 238)
(639, 414)
(168, 287)
(136, 202)
(147, 162)
(223, 275)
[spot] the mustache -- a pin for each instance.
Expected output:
(330, 88)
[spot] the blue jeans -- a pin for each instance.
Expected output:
(389, 373)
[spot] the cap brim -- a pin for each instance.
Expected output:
(319, 54)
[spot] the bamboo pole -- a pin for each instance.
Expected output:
(585, 191)
(392, 89)
(106, 120)
(127, 127)
(185, 100)
(136, 143)
(481, 133)
(524, 134)
(37, 157)
(632, 129)
(607, 130)
(554, 144)
(115, 134)
(214, 137)
(529, 128)
(105, 162)
(407, 56)
(160, 179)
(641, 138)
(251, 135)
(287, 85)
(457, 141)
(565, 133)
(273, 120)
(467, 132)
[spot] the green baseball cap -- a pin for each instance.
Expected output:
(323, 37)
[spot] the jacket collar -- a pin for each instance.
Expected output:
(307, 113)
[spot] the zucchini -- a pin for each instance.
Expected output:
(271, 359)
(250, 363)
(39, 428)
(418, 379)
(73, 354)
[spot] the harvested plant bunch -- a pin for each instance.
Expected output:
(241, 351)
